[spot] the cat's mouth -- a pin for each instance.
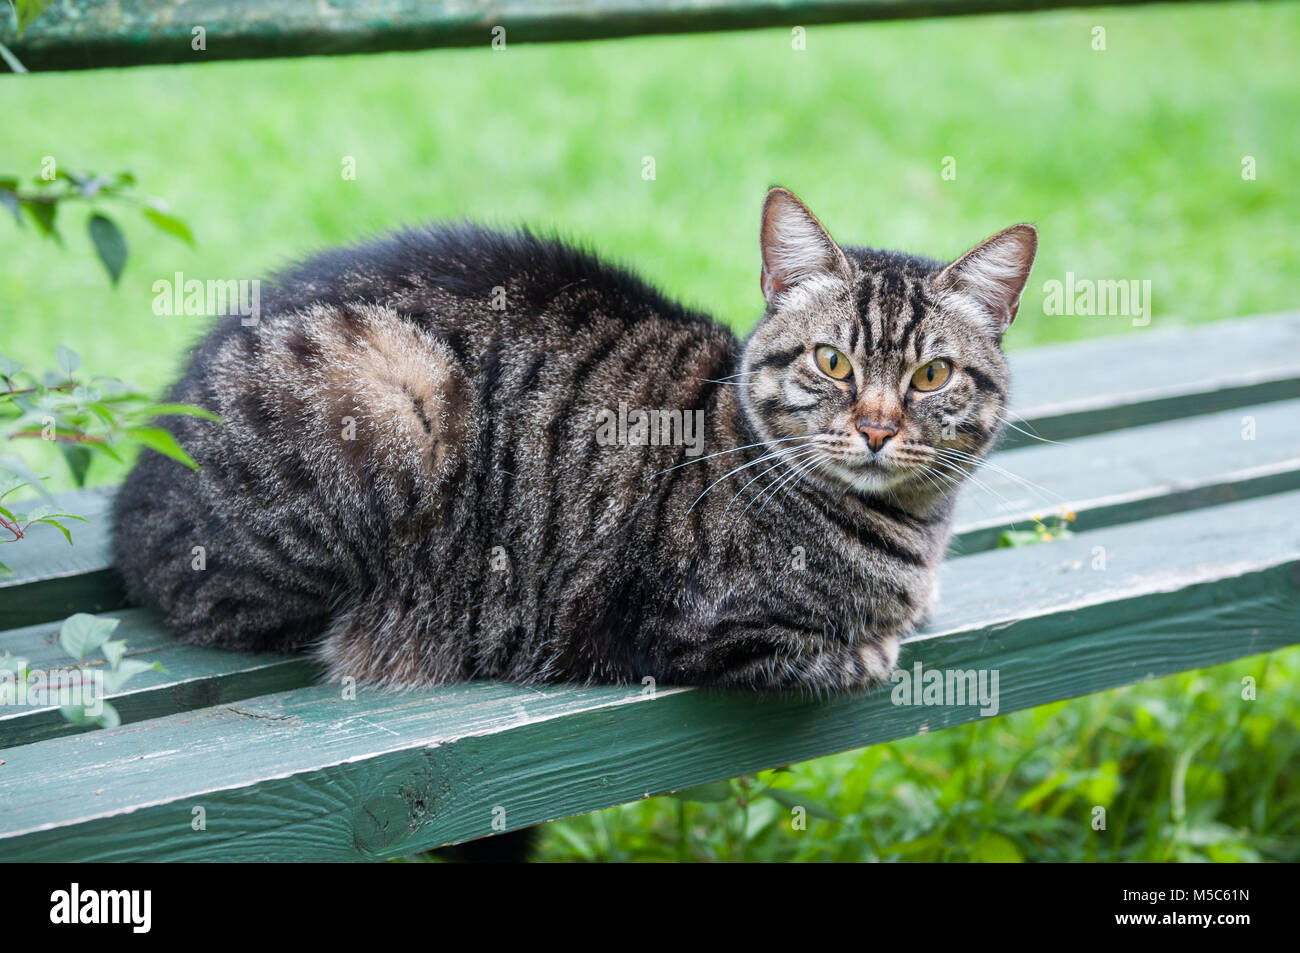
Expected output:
(872, 461)
(867, 472)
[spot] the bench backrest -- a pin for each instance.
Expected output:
(86, 34)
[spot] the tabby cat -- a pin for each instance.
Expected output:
(410, 476)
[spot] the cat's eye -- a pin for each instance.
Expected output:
(932, 376)
(832, 363)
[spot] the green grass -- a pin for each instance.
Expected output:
(1128, 160)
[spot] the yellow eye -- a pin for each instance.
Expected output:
(832, 362)
(933, 376)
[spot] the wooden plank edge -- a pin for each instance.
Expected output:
(1099, 512)
(248, 677)
(1065, 422)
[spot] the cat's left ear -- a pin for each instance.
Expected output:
(993, 275)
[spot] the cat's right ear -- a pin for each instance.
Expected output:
(993, 275)
(795, 245)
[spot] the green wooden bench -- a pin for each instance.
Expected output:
(86, 34)
(1186, 554)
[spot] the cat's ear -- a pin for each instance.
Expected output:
(795, 245)
(993, 275)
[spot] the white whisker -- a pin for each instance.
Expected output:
(745, 466)
(720, 453)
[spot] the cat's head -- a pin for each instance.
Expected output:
(876, 369)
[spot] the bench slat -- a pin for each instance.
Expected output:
(84, 34)
(195, 677)
(308, 775)
(51, 579)
(1085, 387)
(1135, 474)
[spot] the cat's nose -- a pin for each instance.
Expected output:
(876, 432)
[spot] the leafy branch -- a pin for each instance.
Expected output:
(25, 11)
(15, 524)
(42, 200)
(79, 636)
(1056, 526)
(84, 415)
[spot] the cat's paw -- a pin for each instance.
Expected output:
(931, 605)
(850, 668)
(877, 660)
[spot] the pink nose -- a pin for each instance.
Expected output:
(877, 433)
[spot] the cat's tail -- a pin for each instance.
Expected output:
(343, 429)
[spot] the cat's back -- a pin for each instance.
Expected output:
(401, 408)
(511, 280)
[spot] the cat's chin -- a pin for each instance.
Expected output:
(869, 479)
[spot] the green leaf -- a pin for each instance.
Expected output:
(109, 718)
(110, 244)
(78, 715)
(583, 847)
(113, 650)
(155, 438)
(19, 468)
(8, 366)
(105, 449)
(67, 358)
(114, 680)
(1040, 791)
(792, 799)
(169, 224)
(102, 411)
(1018, 537)
(42, 214)
(50, 521)
(997, 849)
(25, 11)
(918, 845)
(78, 458)
(82, 633)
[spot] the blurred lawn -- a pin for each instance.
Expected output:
(1128, 160)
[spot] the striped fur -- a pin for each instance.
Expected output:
(408, 479)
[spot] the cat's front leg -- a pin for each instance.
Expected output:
(846, 668)
(929, 605)
(784, 657)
